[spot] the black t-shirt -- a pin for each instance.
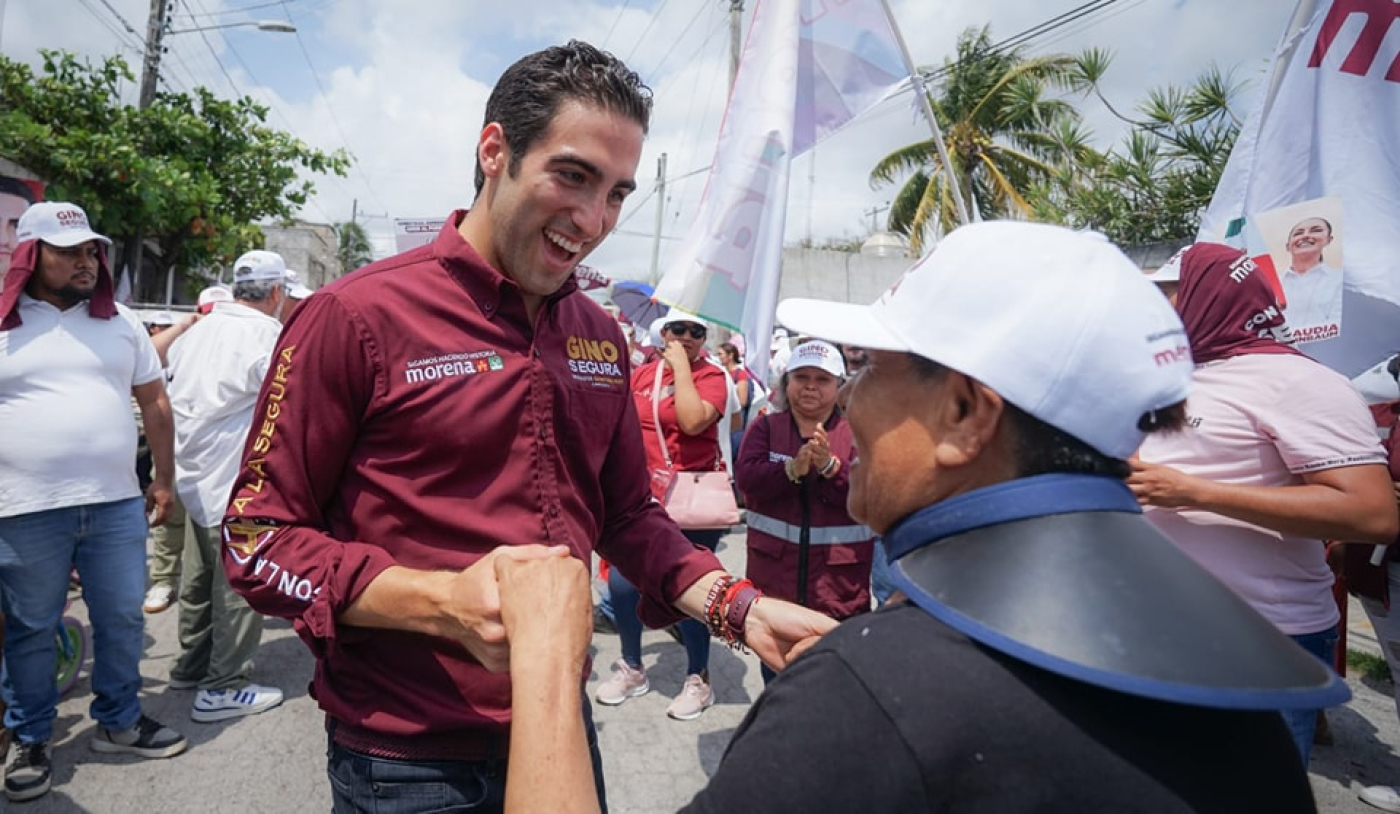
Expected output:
(894, 711)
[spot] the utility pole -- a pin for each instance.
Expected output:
(736, 24)
(132, 260)
(655, 275)
(150, 67)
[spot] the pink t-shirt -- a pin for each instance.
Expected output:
(1264, 420)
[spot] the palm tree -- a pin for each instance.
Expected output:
(1002, 133)
(354, 249)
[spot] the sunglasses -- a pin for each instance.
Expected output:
(680, 329)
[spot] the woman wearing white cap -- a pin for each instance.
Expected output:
(680, 396)
(803, 544)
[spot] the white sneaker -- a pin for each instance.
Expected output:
(158, 598)
(220, 705)
(1386, 798)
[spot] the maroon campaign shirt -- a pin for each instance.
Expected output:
(413, 417)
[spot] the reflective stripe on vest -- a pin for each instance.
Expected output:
(819, 535)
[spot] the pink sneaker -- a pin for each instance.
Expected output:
(626, 682)
(696, 697)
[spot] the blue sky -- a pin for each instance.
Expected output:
(401, 85)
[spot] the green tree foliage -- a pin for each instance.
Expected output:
(353, 249)
(1157, 182)
(1004, 134)
(192, 172)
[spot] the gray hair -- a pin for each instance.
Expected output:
(255, 290)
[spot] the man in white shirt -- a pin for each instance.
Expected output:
(216, 370)
(1313, 288)
(71, 358)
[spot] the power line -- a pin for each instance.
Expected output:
(622, 10)
(330, 110)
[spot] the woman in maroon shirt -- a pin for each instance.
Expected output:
(793, 470)
(686, 393)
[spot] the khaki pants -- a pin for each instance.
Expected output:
(167, 547)
(219, 633)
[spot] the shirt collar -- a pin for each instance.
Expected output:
(1018, 499)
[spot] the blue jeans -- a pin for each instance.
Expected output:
(361, 784)
(106, 542)
(1302, 723)
(629, 628)
(881, 585)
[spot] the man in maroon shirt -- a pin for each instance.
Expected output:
(450, 406)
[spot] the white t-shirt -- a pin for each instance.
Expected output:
(1314, 301)
(1264, 420)
(216, 370)
(66, 433)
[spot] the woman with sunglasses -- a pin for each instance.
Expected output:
(689, 392)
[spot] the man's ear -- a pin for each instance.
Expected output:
(491, 150)
(970, 418)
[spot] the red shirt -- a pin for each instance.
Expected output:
(413, 417)
(689, 453)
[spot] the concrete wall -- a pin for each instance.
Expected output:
(824, 274)
(307, 247)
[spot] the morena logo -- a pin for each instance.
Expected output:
(1379, 16)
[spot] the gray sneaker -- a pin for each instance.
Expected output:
(696, 697)
(626, 682)
(149, 739)
(30, 774)
(220, 705)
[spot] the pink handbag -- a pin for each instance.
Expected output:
(695, 500)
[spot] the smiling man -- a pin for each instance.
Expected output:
(457, 404)
(70, 361)
(15, 197)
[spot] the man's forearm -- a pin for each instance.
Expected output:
(1306, 510)
(550, 767)
(403, 599)
(160, 435)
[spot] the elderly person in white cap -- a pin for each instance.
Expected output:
(70, 360)
(794, 470)
(216, 371)
(1052, 651)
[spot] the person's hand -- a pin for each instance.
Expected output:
(189, 321)
(474, 605)
(1396, 485)
(802, 461)
(820, 448)
(160, 501)
(778, 631)
(1158, 485)
(676, 356)
(546, 608)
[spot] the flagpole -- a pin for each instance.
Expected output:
(917, 80)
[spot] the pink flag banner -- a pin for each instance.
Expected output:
(808, 68)
(1313, 183)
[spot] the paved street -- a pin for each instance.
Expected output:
(275, 762)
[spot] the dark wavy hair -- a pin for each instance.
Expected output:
(528, 95)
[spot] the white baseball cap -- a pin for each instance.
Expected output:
(1059, 322)
(259, 266)
(57, 224)
(296, 289)
(211, 295)
(162, 318)
(819, 354)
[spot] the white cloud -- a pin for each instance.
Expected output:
(405, 84)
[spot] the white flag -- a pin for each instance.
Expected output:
(1321, 154)
(808, 68)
